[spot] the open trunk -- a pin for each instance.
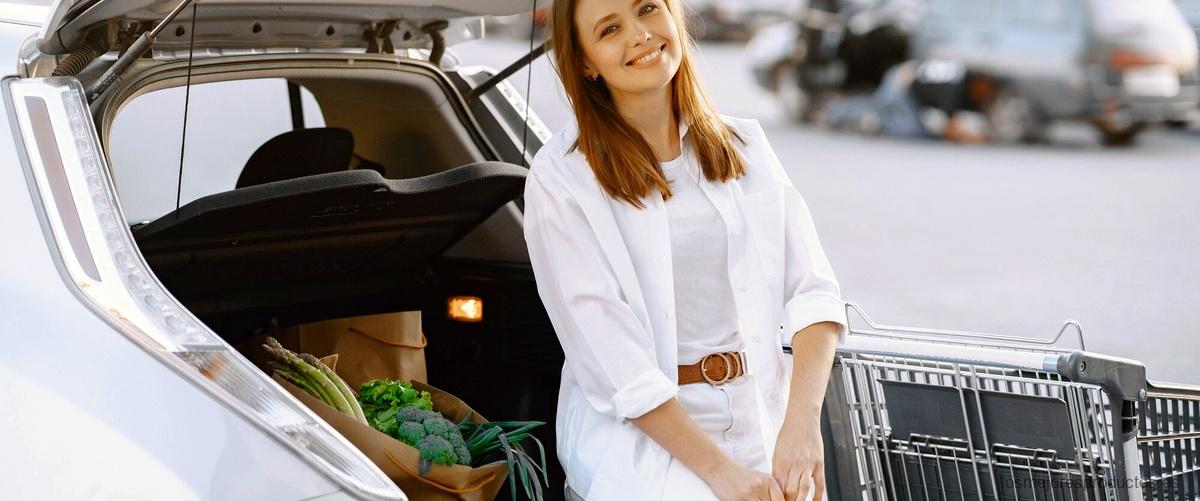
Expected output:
(434, 213)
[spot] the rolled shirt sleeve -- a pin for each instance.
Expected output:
(609, 352)
(810, 288)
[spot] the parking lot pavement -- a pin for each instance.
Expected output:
(1006, 240)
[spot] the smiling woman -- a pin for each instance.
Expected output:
(675, 260)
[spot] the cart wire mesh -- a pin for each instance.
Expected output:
(1169, 442)
(939, 430)
(948, 415)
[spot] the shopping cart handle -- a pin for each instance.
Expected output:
(1123, 378)
(978, 338)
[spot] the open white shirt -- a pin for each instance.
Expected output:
(604, 273)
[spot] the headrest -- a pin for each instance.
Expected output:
(298, 153)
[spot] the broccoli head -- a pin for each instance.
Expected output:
(456, 439)
(410, 433)
(441, 427)
(437, 450)
(415, 415)
(464, 454)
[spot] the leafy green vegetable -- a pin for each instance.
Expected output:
(486, 442)
(379, 395)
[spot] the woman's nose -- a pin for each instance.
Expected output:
(640, 36)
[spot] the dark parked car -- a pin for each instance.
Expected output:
(837, 47)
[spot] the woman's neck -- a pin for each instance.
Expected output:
(650, 114)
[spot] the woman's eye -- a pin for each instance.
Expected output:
(651, 6)
(608, 29)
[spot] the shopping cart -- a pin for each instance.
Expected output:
(934, 414)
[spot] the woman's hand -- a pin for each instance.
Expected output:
(734, 482)
(799, 462)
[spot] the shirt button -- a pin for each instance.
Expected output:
(754, 338)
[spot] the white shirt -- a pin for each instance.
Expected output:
(603, 271)
(705, 318)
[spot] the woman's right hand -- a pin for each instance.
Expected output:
(734, 482)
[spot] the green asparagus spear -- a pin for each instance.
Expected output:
(338, 401)
(304, 384)
(339, 383)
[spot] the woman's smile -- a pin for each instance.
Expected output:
(648, 58)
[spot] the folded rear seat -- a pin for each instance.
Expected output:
(341, 236)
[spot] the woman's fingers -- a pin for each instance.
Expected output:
(776, 493)
(806, 484)
(791, 486)
(819, 482)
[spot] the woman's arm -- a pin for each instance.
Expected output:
(670, 426)
(799, 462)
(812, 361)
(605, 345)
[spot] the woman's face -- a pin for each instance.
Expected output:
(632, 45)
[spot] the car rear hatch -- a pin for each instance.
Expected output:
(261, 24)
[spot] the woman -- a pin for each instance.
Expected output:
(675, 259)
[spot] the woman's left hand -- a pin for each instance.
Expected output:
(799, 462)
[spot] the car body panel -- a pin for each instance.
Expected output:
(88, 413)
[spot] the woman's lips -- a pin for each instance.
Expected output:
(657, 56)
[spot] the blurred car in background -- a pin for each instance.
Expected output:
(738, 20)
(1119, 67)
(836, 47)
(1191, 12)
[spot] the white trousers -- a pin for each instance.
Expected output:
(729, 415)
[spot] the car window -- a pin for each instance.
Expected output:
(1191, 11)
(1131, 17)
(226, 123)
(1038, 13)
(973, 12)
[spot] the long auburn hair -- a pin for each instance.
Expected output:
(621, 159)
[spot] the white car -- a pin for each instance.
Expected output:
(134, 268)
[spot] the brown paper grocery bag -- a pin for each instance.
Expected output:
(399, 461)
(385, 346)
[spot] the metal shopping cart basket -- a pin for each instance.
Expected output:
(924, 414)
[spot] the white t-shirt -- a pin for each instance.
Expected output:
(706, 318)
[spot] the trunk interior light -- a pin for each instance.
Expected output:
(465, 309)
(101, 262)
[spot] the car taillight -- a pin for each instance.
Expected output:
(1122, 60)
(102, 264)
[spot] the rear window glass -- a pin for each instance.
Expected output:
(227, 122)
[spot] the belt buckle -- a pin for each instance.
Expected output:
(728, 369)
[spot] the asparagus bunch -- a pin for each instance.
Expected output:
(315, 378)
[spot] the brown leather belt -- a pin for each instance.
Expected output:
(715, 369)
